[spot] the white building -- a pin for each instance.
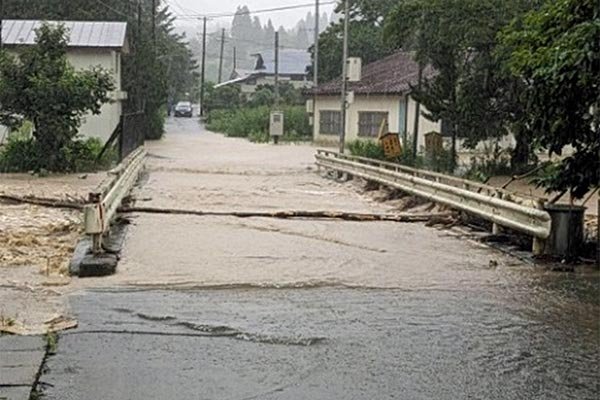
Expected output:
(91, 44)
(293, 69)
(380, 90)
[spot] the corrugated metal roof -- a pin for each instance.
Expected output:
(81, 33)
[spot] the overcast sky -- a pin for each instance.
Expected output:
(285, 18)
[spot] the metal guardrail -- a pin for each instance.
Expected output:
(102, 205)
(519, 212)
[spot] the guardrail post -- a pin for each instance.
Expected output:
(94, 221)
(538, 247)
(496, 230)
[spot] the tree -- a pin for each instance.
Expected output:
(365, 37)
(458, 39)
(43, 88)
(365, 41)
(555, 52)
(265, 95)
(222, 98)
(146, 68)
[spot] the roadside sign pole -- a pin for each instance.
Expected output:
(276, 137)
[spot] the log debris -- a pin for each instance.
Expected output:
(291, 214)
(41, 201)
(296, 214)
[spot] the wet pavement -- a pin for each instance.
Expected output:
(21, 358)
(227, 308)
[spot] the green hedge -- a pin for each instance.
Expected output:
(253, 123)
(23, 154)
(440, 162)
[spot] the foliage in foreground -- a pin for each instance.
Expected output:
(43, 88)
(556, 52)
(22, 154)
(438, 162)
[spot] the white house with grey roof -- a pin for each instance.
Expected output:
(293, 69)
(91, 44)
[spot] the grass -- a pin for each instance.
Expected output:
(51, 342)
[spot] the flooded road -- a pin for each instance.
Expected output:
(228, 308)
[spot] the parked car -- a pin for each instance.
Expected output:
(184, 109)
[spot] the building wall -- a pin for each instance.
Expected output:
(395, 106)
(102, 125)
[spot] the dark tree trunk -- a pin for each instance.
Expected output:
(521, 154)
(453, 152)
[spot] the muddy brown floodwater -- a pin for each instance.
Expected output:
(226, 308)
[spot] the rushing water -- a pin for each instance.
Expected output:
(228, 308)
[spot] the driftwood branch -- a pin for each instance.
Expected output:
(348, 216)
(292, 214)
(40, 201)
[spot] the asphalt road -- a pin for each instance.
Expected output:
(226, 308)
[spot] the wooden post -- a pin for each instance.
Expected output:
(221, 55)
(203, 73)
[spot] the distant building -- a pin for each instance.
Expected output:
(379, 91)
(91, 44)
(293, 68)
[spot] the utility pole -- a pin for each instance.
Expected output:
(234, 58)
(276, 69)
(141, 106)
(316, 48)
(202, 77)
(415, 143)
(344, 80)
(1, 18)
(221, 56)
(315, 63)
(154, 24)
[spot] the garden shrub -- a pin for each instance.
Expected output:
(23, 154)
(254, 123)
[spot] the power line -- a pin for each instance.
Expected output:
(261, 11)
(111, 8)
(263, 44)
(179, 6)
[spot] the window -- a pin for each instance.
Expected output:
(330, 122)
(445, 128)
(370, 122)
(402, 120)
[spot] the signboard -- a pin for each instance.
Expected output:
(391, 145)
(276, 124)
(434, 143)
(389, 141)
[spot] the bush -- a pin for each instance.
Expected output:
(19, 155)
(439, 161)
(254, 123)
(373, 150)
(367, 149)
(24, 154)
(495, 161)
(155, 127)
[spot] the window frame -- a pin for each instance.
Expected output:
(334, 122)
(370, 128)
